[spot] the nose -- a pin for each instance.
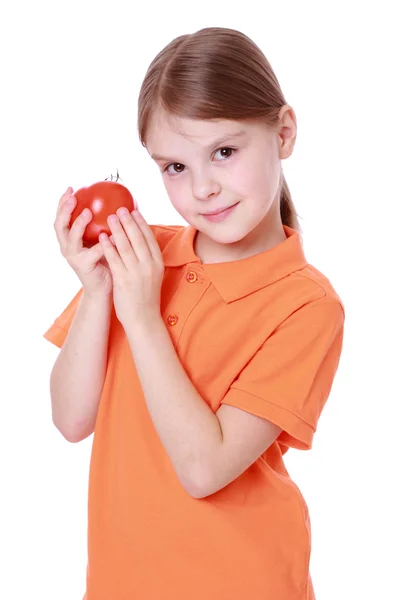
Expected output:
(205, 186)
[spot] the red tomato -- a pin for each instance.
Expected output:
(103, 199)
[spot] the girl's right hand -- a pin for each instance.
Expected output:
(89, 264)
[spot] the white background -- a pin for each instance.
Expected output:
(70, 77)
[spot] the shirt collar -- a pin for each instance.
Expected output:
(239, 278)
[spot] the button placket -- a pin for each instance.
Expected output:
(191, 277)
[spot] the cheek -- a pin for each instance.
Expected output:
(178, 195)
(258, 176)
(248, 178)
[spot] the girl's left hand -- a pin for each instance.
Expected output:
(136, 265)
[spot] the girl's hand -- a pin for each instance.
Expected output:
(136, 265)
(88, 263)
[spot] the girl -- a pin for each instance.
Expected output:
(199, 355)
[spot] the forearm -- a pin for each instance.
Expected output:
(77, 378)
(186, 425)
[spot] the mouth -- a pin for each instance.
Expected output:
(220, 210)
(221, 215)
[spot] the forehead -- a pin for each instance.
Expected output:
(165, 129)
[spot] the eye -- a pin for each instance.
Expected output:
(230, 151)
(173, 165)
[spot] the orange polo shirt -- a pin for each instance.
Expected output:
(263, 334)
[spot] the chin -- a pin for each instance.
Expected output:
(227, 237)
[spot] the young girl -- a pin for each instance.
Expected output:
(199, 354)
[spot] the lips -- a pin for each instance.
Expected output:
(216, 212)
(222, 215)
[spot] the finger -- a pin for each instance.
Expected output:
(74, 241)
(64, 198)
(61, 224)
(95, 253)
(136, 240)
(122, 243)
(111, 254)
(110, 237)
(148, 235)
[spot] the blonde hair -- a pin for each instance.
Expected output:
(215, 73)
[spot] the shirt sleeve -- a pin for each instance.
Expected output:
(289, 379)
(58, 331)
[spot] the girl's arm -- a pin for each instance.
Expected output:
(77, 377)
(287, 383)
(188, 429)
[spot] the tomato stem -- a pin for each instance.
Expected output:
(118, 177)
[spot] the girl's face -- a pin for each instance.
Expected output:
(208, 165)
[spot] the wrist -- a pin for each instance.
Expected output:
(98, 298)
(144, 321)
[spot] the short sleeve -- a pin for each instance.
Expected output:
(57, 333)
(289, 379)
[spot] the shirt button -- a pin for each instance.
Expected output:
(173, 319)
(191, 276)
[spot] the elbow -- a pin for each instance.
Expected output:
(190, 481)
(73, 439)
(74, 434)
(195, 492)
(67, 435)
(209, 482)
(199, 492)
(199, 487)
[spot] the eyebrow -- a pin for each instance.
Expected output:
(221, 140)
